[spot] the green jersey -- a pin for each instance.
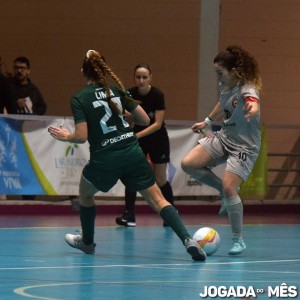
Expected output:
(107, 130)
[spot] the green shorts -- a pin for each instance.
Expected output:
(128, 164)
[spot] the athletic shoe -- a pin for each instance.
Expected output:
(75, 241)
(193, 248)
(238, 246)
(127, 219)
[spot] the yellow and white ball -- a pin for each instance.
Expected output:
(208, 239)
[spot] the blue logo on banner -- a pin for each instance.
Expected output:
(16, 172)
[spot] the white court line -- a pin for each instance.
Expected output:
(156, 265)
(22, 290)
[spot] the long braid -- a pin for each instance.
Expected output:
(116, 79)
(98, 65)
(101, 68)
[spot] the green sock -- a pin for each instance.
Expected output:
(171, 216)
(87, 218)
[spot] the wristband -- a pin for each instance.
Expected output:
(208, 120)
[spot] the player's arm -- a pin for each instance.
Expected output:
(79, 136)
(251, 107)
(159, 119)
(140, 117)
(215, 113)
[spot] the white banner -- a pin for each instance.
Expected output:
(34, 163)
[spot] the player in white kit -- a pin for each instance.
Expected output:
(238, 141)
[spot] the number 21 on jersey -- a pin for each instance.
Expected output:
(108, 114)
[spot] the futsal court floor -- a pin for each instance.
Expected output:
(148, 261)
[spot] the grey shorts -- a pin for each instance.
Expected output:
(238, 161)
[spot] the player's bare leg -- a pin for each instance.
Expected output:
(195, 164)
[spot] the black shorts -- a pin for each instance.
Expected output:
(158, 150)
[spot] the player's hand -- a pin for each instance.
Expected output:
(250, 110)
(21, 102)
(129, 119)
(197, 127)
(59, 133)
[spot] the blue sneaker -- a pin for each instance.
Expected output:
(238, 246)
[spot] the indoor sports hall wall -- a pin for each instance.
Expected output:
(54, 35)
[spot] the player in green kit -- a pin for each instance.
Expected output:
(99, 112)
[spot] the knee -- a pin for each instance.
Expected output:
(160, 182)
(230, 191)
(161, 179)
(186, 166)
(154, 197)
(86, 201)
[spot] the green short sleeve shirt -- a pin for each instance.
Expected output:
(106, 128)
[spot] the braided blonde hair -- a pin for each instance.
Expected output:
(95, 68)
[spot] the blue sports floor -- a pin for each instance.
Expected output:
(146, 262)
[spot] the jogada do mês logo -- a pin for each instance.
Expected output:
(282, 291)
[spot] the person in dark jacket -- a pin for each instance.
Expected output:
(30, 99)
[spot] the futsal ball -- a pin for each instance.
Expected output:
(208, 239)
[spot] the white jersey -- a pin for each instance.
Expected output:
(237, 133)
